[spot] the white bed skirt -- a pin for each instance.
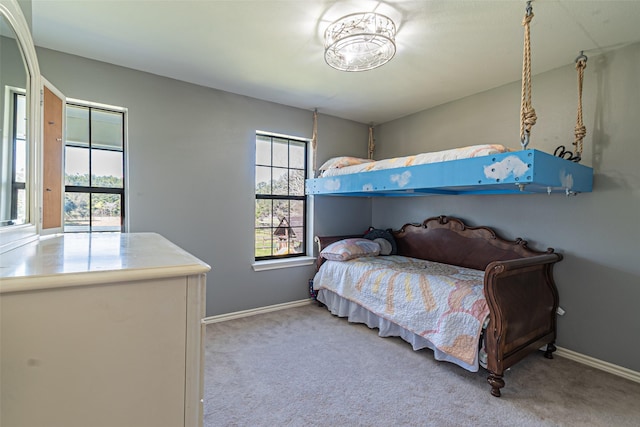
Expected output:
(355, 313)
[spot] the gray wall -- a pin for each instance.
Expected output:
(191, 153)
(25, 5)
(598, 232)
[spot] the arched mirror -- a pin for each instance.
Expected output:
(19, 128)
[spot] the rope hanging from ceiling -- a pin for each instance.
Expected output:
(314, 140)
(580, 130)
(372, 143)
(527, 113)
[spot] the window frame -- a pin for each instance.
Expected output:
(90, 189)
(288, 260)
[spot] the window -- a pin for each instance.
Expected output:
(281, 205)
(94, 169)
(18, 159)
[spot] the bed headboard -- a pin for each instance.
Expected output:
(448, 240)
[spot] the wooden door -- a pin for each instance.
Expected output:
(52, 160)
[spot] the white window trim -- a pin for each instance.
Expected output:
(276, 264)
(301, 261)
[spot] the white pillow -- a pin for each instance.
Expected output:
(341, 162)
(344, 250)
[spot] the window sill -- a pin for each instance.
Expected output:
(274, 264)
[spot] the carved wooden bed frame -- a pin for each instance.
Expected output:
(518, 285)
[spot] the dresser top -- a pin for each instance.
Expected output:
(76, 259)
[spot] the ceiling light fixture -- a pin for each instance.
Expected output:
(360, 42)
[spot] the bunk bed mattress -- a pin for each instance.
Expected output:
(444, 310)
(418, 159)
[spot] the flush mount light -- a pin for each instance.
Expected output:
(360, 42)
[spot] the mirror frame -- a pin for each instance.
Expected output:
(14, 236)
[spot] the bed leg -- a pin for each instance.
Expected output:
(550, 349)
(496, 383)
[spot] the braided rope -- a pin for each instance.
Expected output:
(527, 113)
(314, 140)
(372, 143)
(580, 130)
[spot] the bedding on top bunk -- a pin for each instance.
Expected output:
(446, 306)
(347, 165)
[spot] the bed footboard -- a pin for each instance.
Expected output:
(523, 301)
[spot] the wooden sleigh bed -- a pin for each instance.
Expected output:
(513, 316)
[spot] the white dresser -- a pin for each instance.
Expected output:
(101, 330)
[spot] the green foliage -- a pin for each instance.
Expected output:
(292, 184)
(82, 180)
(76, 205)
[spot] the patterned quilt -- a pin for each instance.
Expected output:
(442, 303)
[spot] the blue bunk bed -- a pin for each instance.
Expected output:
(517, 172)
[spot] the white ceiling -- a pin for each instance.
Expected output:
(273, 49)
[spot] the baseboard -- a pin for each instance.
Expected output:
(254, 311)
(599, 364)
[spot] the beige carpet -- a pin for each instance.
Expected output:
(304, 367)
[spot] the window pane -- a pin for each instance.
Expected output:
(21, 161)
(21, 207)
(76, 212)
(296, 154)
(106, 129)
(263, 180)
(105, 212)
(76, 166)
(295, 246)
(280, 181)
(296, 182)
(280, 152)
(263, 150)
(296, 214)
(264, 242)
(78, 125)
(263, 231)
(21, 117)
(284, 235)
(106, 169)
(280, 211)
(263, 213)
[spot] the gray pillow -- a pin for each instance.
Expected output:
(385, 246)
(377, 233)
